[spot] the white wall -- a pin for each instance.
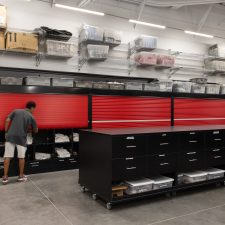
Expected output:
(30, 15)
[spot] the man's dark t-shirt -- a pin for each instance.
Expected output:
(22, 121)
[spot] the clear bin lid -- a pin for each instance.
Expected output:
(160, 180)
(141, 182)
(214, 171)
(195, 174)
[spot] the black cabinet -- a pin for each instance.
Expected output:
(111, 156)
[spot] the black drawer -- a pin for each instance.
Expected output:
(191, 140)
(162, 163)
(128, 146)
(128, 169)
(191, 160)
(40, 166)
(161, 143)
(215, 157)
(215, 138)
(66, 164)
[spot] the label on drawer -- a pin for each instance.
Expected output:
(216, 132)
(130, 138)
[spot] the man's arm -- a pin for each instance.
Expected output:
(7, 122)
(34, 126)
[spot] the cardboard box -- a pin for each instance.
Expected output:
(3, 17)
(2, 40)
(24, 42)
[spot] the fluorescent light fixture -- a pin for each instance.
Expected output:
(147, 24)
(79, 9)
(198, 34)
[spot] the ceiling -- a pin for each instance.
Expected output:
(206, 16)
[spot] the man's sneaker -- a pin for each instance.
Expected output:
(22, 179)
(5, 180)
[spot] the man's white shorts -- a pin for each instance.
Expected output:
(10, 149)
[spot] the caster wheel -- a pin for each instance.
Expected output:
(168, 195)
(218, 184)
(109, 206)
(174, 194)
(82, 189)
(94, 197)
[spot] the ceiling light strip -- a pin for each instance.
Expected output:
(79, 9)
(198, 34)
(147, 24)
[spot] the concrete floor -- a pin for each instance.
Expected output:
(55, 198)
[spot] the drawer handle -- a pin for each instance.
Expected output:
(217, 139)
(34, 165)
(192, 133)
(131, 146)
(216, 150)
(164, 164)
(162, 155)
(217, 157)
(192, 160)
(163, 185)
(131, 168)
(216, 132)
(73, 161)
(130, 138)
(191, 153)
(61, 160)
(129, 158)
(164, 144)
(193, 141)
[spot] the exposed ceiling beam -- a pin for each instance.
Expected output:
(52, 3)
(142, 6)
(84, 3)
(204, 18)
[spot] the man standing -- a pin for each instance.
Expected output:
(18, 124)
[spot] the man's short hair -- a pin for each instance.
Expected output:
(30, 105)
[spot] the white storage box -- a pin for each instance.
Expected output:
(193, 177)
(83, 84)
(60, 49)
(165, 85)
(151, 87)
(198, 88)
(101, 85)
(180, 178)
(182, 87)
(145, 43)
(112, 38)
(214, 173)
(222, 89)
(91, 34)
(162, 182)
(215, 65)
(145, 58)
(11, 81)
(134, 86)
(212, 88)
(217, 50)
(97, 52)
(138, 186)
(38, 81)
(116, 86)
(62, 82)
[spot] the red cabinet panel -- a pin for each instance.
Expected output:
(116, 112)
(199, 111)
(53, 111)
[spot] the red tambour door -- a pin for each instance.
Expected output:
(53, 111)
(116, 112)
(199, 111)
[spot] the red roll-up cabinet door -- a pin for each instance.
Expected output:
(53, 111)
(189, 111)
(122, 112)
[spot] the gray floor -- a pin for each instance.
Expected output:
(55, 198)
